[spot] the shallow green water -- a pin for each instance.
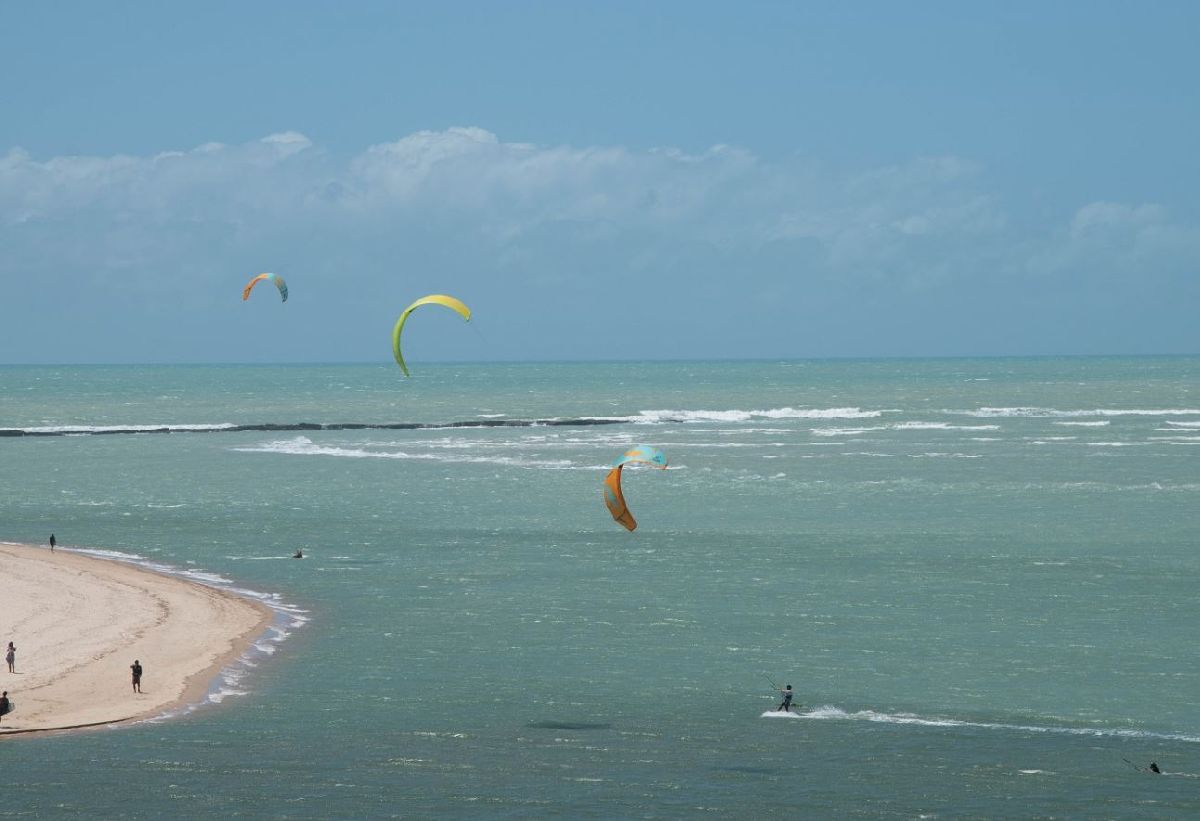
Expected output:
(979, 576)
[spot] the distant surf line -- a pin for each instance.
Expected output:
(91, 430)
(644, 417)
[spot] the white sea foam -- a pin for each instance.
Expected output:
(1183, 424)
(940, 426)
(642, 417)
(901, 426)
(740, 431)
(658, 416)
(1034, 412)
(181, 428)
(221, 693)
(1092, 424)
(303, 446)
(940, 455)
(830, 713)
(846, 431)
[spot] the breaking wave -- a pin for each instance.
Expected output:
(643, 417)
(900, 426)
(683, 416)
(303, 446)
(991, 413)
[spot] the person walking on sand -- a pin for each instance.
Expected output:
(10, 655)
(3, 703)
(136, 668)
(52, 542)
(786, 706)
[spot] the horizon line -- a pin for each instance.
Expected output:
(620, 361)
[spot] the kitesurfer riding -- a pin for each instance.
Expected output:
(1153, 768)
(786, 706)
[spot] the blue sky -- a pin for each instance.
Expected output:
(598, 180)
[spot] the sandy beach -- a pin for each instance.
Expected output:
(79, 622)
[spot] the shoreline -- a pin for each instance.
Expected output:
(74, 618)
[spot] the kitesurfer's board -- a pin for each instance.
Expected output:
(780, 714)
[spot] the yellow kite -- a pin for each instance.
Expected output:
(433, 299)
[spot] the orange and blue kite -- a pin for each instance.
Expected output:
(613, 497)
(275, 278)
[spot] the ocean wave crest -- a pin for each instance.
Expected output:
(303, 446)
(683, 416)
(900, 426)
(642, 417)
(1034, 412)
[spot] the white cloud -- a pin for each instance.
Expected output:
(1118, 241)
(165, 186)
(931, 220)
(798, 257)
(290, 141)
(1105, 217)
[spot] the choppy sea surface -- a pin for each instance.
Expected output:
(980, 577)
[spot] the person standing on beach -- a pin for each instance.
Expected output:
(3, 702)
(52, 543)
(10, 655)
(136, 668)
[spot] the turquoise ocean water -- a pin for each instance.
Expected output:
(980, 576)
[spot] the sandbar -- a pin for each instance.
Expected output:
(78, 622)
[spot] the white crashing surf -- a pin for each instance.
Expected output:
(1052, 413)
(82, 429)
(660, 416)
(303, 446)
(901, 426)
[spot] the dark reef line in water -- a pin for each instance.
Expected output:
(315, 426)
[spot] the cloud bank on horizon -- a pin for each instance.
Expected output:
(570, 252)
